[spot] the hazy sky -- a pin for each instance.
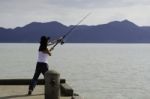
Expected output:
(15, 13)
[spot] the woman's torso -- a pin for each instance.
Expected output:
(42, 57)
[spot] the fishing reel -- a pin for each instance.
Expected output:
(60, 41)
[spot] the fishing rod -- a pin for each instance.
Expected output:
(69, 32)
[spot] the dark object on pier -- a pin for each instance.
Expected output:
(66, 90)
(52, 84)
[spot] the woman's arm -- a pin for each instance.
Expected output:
(47, 51)
(52, 42)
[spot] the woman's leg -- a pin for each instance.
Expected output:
(35, 77)
(44, 69)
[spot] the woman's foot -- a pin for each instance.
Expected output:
(29, 92)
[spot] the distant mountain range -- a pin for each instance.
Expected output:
(113, 32)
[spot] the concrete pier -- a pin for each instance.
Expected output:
(20, 92)
(18, 88)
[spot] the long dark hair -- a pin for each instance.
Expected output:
(43, 43)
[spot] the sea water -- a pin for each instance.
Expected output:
(95, 71)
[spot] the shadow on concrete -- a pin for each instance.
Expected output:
(19, 96)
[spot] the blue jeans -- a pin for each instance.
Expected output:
(40, 68)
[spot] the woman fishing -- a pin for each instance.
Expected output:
(42, 61)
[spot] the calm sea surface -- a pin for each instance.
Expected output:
(95, 71)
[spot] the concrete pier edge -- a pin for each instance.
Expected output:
(23, 81)
(65, 89)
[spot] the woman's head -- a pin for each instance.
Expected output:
(43, 42)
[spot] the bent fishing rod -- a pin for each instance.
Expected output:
(69, 32)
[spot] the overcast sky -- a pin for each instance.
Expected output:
(15, 13)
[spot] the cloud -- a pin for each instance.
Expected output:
(20, 12)
(97, 3)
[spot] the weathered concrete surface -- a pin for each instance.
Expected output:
(20, 92)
